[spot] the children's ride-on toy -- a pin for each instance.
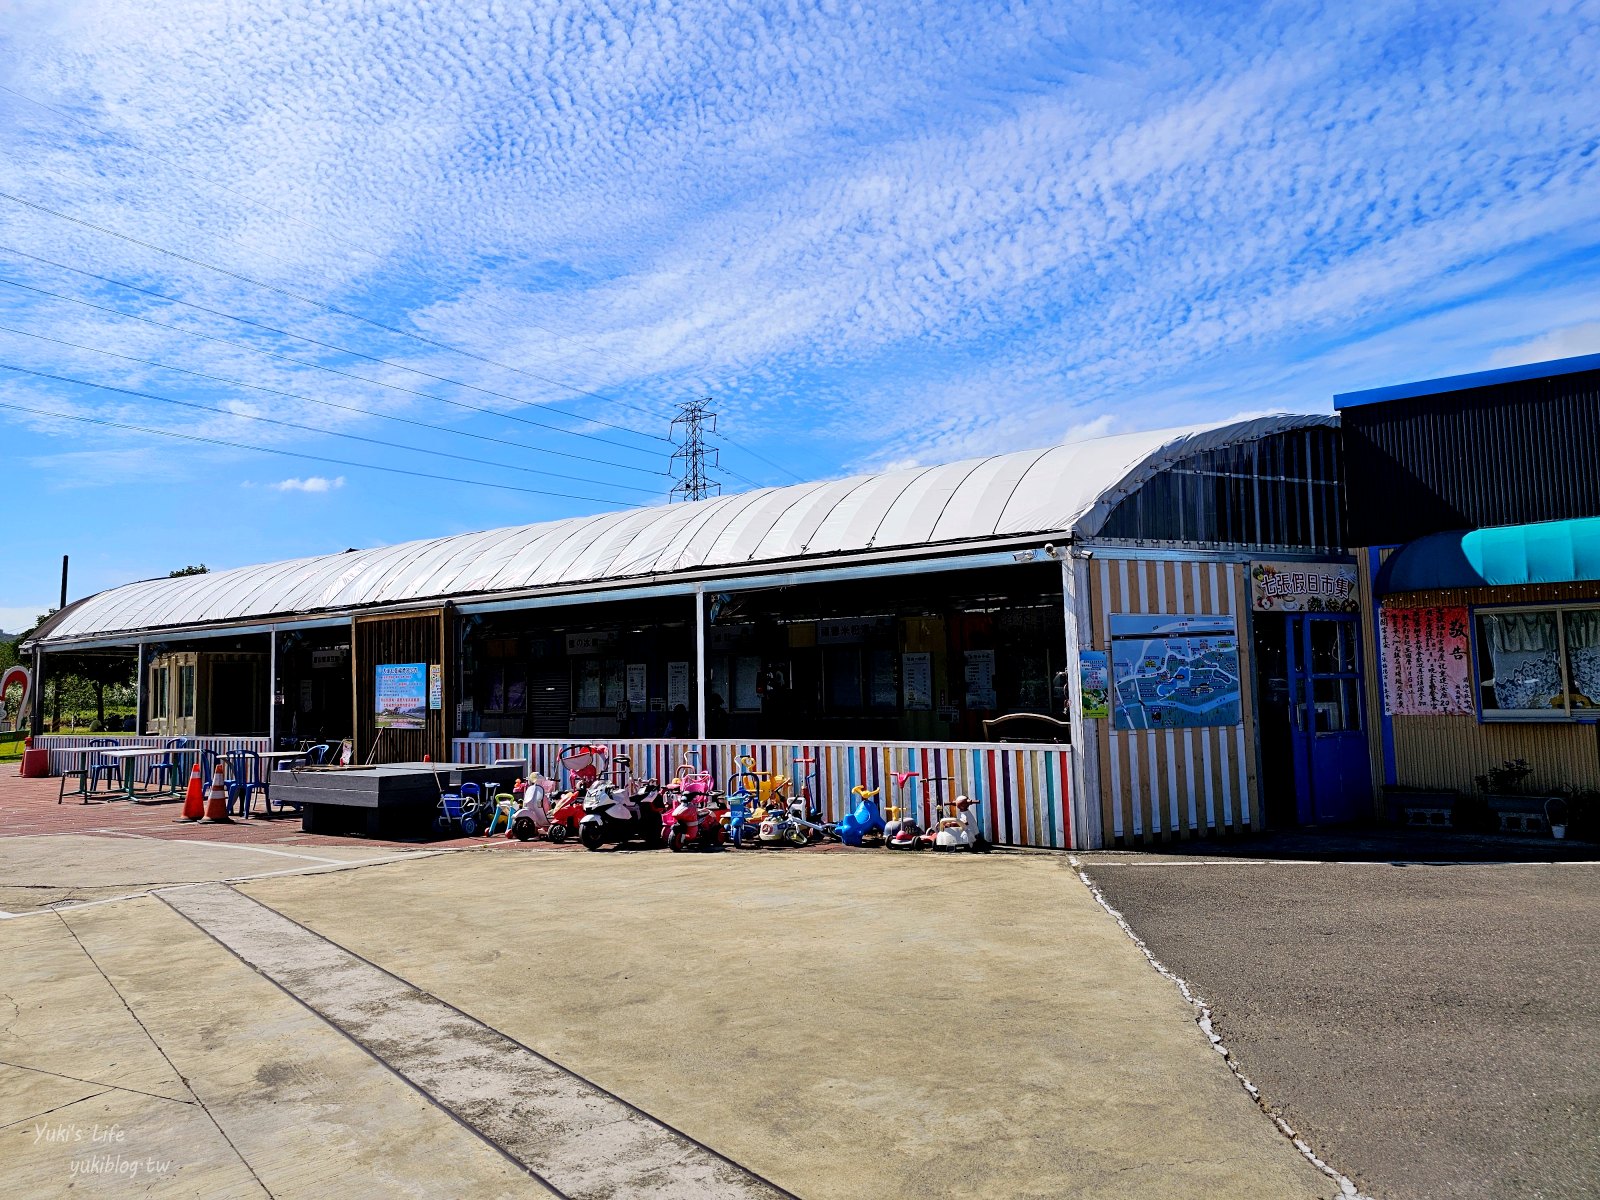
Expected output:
(863, 824)
(459, 811)
(957, 827)
(615, 812)
(583, 764)
(532, 820)
(901, 831)
(694, 811)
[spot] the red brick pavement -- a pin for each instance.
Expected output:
(28, 806)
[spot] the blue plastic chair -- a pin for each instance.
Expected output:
(245, 778)
(166, 769)
(103, 768)
(317, 756)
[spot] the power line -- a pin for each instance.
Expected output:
(211, 337)
(762, 457)
(337, 237)
(354, 437)
(311, 341)
(338, 462)
(256, 387)
(326, 307)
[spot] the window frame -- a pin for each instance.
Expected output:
(1566, 714)
(189, 672)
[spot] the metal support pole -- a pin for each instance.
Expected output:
(36, 720)
(1085, 736)
(272, 691)
(700, 659)
(138, 691)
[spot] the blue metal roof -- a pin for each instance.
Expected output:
(1459, 383)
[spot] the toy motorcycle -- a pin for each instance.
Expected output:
(863, 823)
(614, 813)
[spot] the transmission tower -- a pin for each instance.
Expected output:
(694, 420)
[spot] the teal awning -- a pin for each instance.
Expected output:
(1501, 556)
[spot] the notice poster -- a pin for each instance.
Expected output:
(638, 695)
(917, 672)
(1173, 672)
(1303, 587)
(1427, 661)
(979, 678)
(400, 696)
(677, 685)
(516, 689)
(1094, 684)
(435, 687)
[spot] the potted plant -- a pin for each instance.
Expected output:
(1507, 796)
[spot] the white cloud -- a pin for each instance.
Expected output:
(1570, 342)
(312, 483)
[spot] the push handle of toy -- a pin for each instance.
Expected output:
(901, 778)
(865, 794)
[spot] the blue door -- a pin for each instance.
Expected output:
(1332, 779)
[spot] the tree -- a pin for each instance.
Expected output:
(196, 569)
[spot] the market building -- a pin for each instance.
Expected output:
(1133, 637)
(1478, 542)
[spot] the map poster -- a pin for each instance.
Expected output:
(400, 696)
(1173, 671)
(916, 670)
(1303, 587)
(1094, 676)
(1426, 661)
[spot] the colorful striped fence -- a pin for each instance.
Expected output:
(71, 762)
(1022, 791)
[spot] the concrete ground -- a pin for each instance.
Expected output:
(504, 1023)
(1434, 1030)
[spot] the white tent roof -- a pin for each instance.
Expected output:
(1062, 492)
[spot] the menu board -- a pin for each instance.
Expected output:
(917, 673)
(979, 678)
(1427, 661)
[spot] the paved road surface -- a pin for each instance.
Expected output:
(1433, 1031)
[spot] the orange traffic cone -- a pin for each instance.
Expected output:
(194, 799)
(217, 802)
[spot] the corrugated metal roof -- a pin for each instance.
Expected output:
(1061, 492)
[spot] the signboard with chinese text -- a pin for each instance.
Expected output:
(400, 696)
(1427, 661)
(1094, 675)
(1303, 587)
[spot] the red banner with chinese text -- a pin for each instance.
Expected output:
(1427, 661)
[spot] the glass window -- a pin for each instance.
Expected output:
(1519, 662)
(1338, 705)
(159, 700)
(1582, 635)
(1333, 647)
(185, 691)
(842, 665)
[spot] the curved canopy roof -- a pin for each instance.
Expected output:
(1061, 491)
(1499, 556)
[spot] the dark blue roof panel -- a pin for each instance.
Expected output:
(1460, 383)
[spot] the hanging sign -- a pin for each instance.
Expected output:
(1303, 587)
(1094, 684)
(1427, 661)
(916, 670)
(400, 697)
(590, 643)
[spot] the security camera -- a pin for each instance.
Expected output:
(1050, 549)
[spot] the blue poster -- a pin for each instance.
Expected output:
(1172, 672)
(401, 696)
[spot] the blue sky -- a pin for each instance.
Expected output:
(874, 234)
